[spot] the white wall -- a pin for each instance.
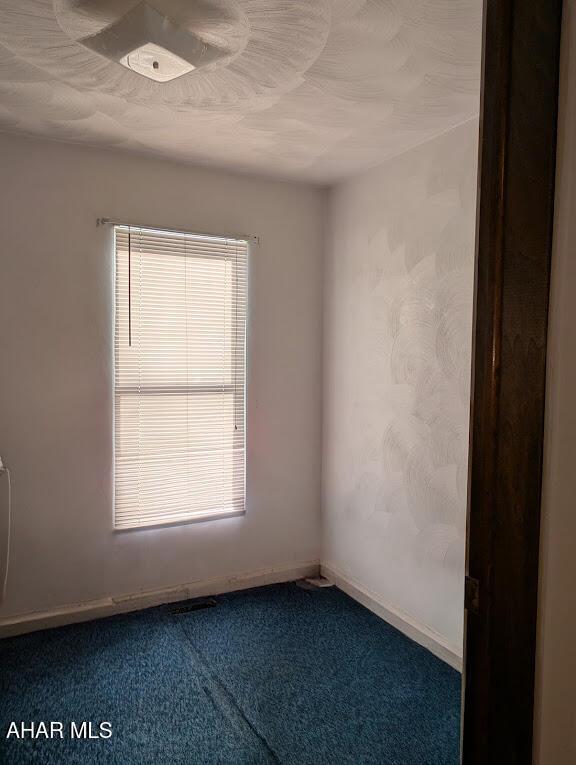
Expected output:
(555, 712)
(397, 329)
(56, 381)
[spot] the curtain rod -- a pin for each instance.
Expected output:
(244, 237)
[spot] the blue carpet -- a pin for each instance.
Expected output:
(277, 674)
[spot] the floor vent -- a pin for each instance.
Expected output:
(314, 583)
(197, 605)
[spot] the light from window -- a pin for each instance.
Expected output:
(180, 353)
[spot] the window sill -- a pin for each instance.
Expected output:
(200, 518)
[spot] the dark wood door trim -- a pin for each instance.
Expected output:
(514, 242)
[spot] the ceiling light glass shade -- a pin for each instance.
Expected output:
(156, 63)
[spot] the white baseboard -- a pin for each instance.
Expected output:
(96, 609)
(405, 624)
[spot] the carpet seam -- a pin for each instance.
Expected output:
(234, 706)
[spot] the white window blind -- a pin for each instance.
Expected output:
(180, 339)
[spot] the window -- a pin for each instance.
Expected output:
(180, 339)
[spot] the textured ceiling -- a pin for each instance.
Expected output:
(309, 89)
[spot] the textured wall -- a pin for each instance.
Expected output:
(56, 315)
(398, 315)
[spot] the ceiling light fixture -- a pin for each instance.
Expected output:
(148, 43)
(156, 63)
